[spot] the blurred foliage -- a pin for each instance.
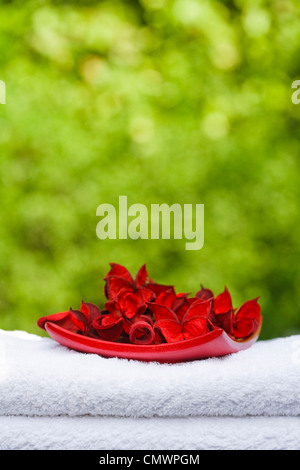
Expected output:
(184, 101)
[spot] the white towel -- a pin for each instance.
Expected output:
(39, 377)
(184, 434)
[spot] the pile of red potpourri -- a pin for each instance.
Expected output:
(141, 311)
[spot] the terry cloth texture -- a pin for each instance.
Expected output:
(45, 386)
(115, 433)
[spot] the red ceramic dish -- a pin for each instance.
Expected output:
(213, 344)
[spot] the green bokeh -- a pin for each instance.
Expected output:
(185, 101)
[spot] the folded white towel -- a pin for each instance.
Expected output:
(39, 377)
(184, 434)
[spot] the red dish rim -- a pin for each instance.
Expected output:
(113, 346)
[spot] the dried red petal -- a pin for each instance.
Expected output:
(113, 306)
(179, 303)
(194, 323)
(116, 285)
(195, 326)
(157, 288)
(224, 321)
(143, 317)
(244, 328)
(158, 338)
(91, 311)
(246, 319)
(182, 305)
(120, 271)
(141, 277)
(108, 320)
(145, 294)
(109, 329)
(166, 297)
(66, 320)
(130, 304)
(127, 305)
(250, 309)
(171, 330)
(141, 332)
(198, 308)
(205, 294)
(162, 312)
(223, 302)
(87, 313)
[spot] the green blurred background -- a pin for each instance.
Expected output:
(184, 101)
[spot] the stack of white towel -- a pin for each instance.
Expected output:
(54, 398)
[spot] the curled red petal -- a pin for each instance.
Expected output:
(141, 332)
(223, 302)
(143, 317)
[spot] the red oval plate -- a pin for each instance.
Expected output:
(213, 344)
